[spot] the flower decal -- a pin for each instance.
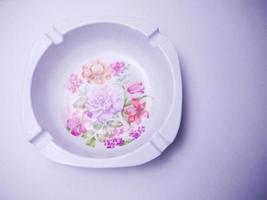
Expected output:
(104, 102)
(107, 106)
(117, 68)
(96, 72)
(76, 125)
(136, 111)
(135, 88)
(73, 83)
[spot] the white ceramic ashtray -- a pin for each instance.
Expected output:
(103, 93)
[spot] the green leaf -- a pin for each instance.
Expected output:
(79, 103)
(125, 99)
(97, 126)
(101, 137)
(122, 78)
(88, 134)
(127, 141)
(85, 90)
(127, 66)
(115, 123)
(91, 142)
(127, 102)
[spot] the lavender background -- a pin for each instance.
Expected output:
(221, 150)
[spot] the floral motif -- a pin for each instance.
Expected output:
(117, 68)
(112, 142)
(135, 111)
(135, 88)
(107, 106)
(103, 103)
(137, 132)
(73, 83)
(96, 72)
(75, 125)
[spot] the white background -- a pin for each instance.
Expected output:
(220, 152)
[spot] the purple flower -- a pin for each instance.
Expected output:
(117, 68)
(112, 142)
(137, 132)
(104, 102)
(117, 131)
(141, 129)
(120, 142)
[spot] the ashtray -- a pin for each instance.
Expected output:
(102, 92)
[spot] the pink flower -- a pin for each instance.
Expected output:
(136, 88)
(73, 83)
(117, 68)
(135, 111)
(75, 125)
(96, 72)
